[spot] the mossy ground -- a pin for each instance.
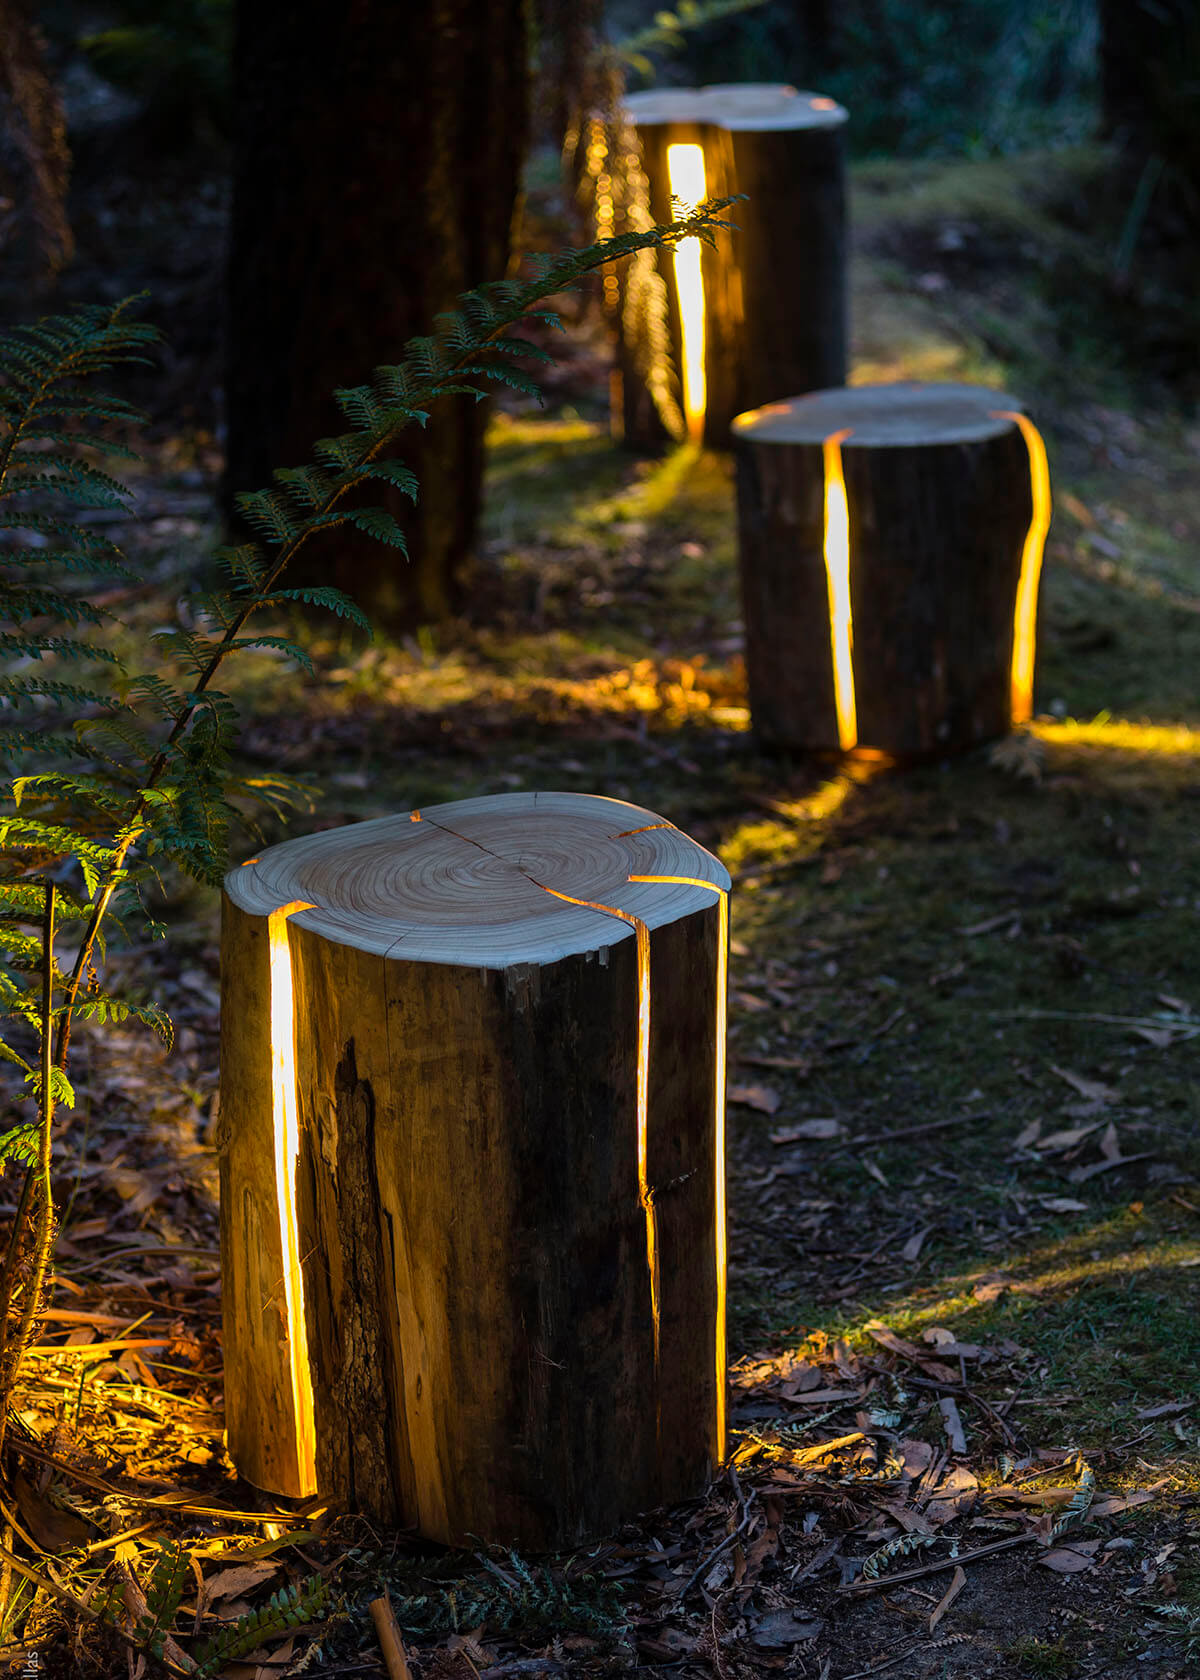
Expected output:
(951, 953)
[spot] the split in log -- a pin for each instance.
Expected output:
(472, 1167)
(763, 312)
(890, 543)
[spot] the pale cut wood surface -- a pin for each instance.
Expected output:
(741, 105)
(476, 892)
(882, 416)
(479, 1320)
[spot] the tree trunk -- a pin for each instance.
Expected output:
(377, 153)
(774, 287)
(501, 1178)
(946, 507)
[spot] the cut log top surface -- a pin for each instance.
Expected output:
(882, 416)
(752, 106)
(474, 883)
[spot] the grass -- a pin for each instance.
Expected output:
(957, 947)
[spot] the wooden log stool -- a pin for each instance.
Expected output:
(890, 543)
(472, 1167)
(763, 312)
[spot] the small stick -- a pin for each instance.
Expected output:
(742, 1528)
(937, 1567)
(387, 1631)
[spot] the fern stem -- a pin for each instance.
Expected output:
(571, 269)
(44, 1235)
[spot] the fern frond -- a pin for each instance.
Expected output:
(289, 1608)
(395, 473)
(20, 690)
(63, 647)
(278, 644)
(875, 1564)
(333, 600)
(21, 601)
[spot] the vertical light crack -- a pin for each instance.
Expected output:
(1025, 612)
(719, 1073)
(286, 1131)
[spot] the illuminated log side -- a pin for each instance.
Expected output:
(774, 287)
(944, 550)
(509, 1196)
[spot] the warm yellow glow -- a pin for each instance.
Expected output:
(642, 1098)
(823, 104)
(1025, 616)
(719, 1075)
(1171, 739)
(286, 1127)
(685, 173)
(837, 574)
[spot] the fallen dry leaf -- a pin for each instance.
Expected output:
(1068, 1138)
(1062, 1204)
(957, 1582)
(1166, 1409)
(243, 1578)
(781, 1629)
(759, 1097)
(809, 1129)
(952, 1423)
(1072, 1559)
(912, 1247)
(1093, 1090)
(1126, 1502)
(955, 1496)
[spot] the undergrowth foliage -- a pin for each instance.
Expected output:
(114, 772)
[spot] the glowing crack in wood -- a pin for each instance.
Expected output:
(286, 1128)
(1025, 614)
(642, 1100)
(685, 175)
(837, 577)
(718, 1132)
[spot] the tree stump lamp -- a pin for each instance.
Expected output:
(890, 544)
(472, 1167)
(762, 313)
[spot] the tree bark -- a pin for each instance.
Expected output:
(941, 515)
(774, 286)
(508, 1194)
(377, 154)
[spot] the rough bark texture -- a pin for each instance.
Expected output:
(775, 284)
(377, 152)
(937, 530)
(478, 1298)
(790, 249)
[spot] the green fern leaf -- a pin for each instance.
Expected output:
(332, 600)
(380, 524)
(289, 1608)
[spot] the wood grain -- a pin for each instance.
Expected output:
(478, 1303)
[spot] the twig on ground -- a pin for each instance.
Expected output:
(387, 1631)
(897, 1577)
(745, 1520)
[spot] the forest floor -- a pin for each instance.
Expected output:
(965, 1022)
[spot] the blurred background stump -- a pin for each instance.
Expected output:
(890, 541)
(472, 1167)
(763, 313)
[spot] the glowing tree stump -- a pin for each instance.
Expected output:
(890, 542)
(472, 1167)
(763, 313)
